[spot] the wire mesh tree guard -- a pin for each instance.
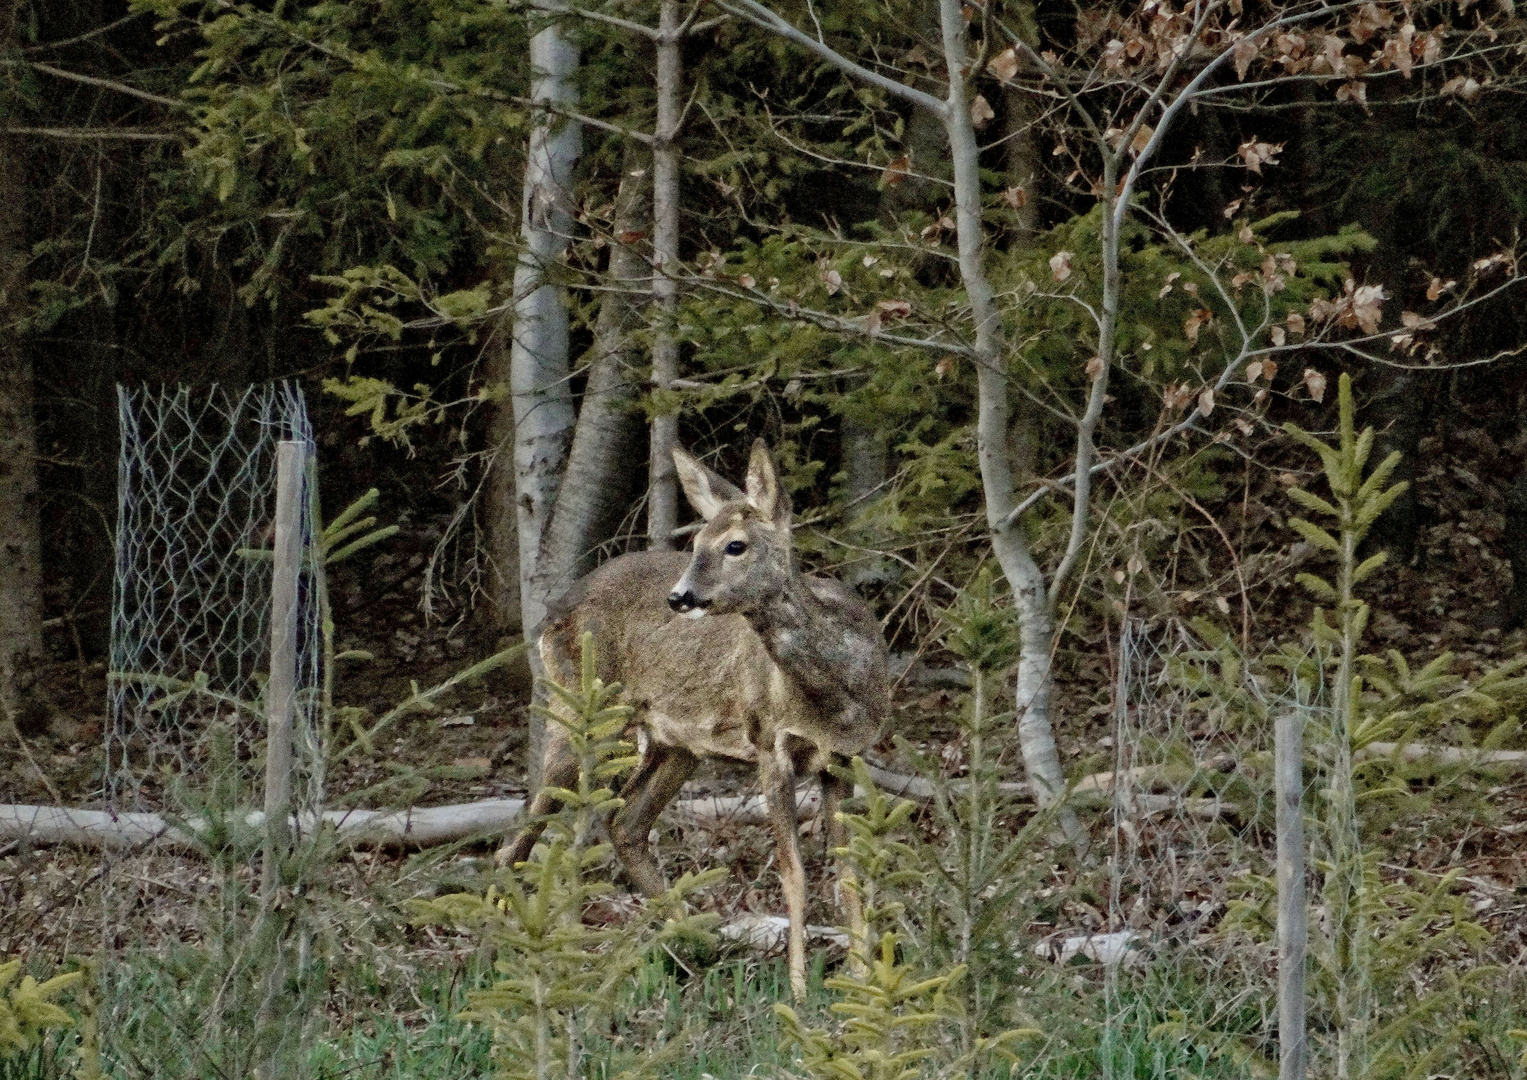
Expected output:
(190, 630)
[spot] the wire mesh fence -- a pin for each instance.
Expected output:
(190, 633)
(1191, 952)
(224, 981)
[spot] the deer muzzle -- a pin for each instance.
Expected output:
(686, 603)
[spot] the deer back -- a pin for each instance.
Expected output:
(710, 685)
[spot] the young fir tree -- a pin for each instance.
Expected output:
(560, 976)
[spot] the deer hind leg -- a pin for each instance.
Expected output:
(657, 780)
(559, 769)
(834, 791)
(776, 773)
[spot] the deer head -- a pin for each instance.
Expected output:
(742, 555)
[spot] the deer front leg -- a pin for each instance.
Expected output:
(657, 780)
(777, 777)
(834, 791)
(559, 769)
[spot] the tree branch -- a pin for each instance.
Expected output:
(107, 84)
(91, 133)
(761, 16)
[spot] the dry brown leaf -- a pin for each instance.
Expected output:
(1060, 265)
(1367, 307)
(1206, 401)
(1256, 154)
(1254, 371)
(1005, 65)
(1231, 207)
(833, 280)
(1246, 236)
(1175, 397)
(746, 281)
(1462, 87)
(1279, 336)
(1095, 368)
(1353, 91)
(1435, 290)
(1295, 323)
(944, 366)
(1315, 382)
(1016, 198)
(1141, 140)
(1431, 50)
(980, 112)
(1369, 19)
(897, 170)
(1244, 53)
(896, 309)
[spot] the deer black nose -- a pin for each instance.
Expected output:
(685, 602)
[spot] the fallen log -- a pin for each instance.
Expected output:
(1446, 755)
(768, 934)
(417, 827)
(421, 827)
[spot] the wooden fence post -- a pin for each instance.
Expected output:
(1288, 742)
(281, 690)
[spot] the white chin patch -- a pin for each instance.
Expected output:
(695, 613)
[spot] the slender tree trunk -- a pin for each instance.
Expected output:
(595, 490)
(21, 648)
(538, 367)
(1009, 544)
(662, 491)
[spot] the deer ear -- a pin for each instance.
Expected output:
(765, 494)
(704, 488)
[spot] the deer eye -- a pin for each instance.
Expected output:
(736, 547)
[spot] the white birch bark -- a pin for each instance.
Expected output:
(662, 489)
(1035, 735)
(538, 365)
(1034, 679)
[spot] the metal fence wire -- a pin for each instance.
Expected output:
(1191, 964)
(190, 628)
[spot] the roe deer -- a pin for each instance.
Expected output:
(730, 653)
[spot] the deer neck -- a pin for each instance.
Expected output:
(801, 634)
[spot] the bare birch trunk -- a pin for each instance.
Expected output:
(1035, 735)
(538, 365)
(21, 647)
(662, 488)
(593, 496)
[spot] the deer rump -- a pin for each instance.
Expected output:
(708, 685)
